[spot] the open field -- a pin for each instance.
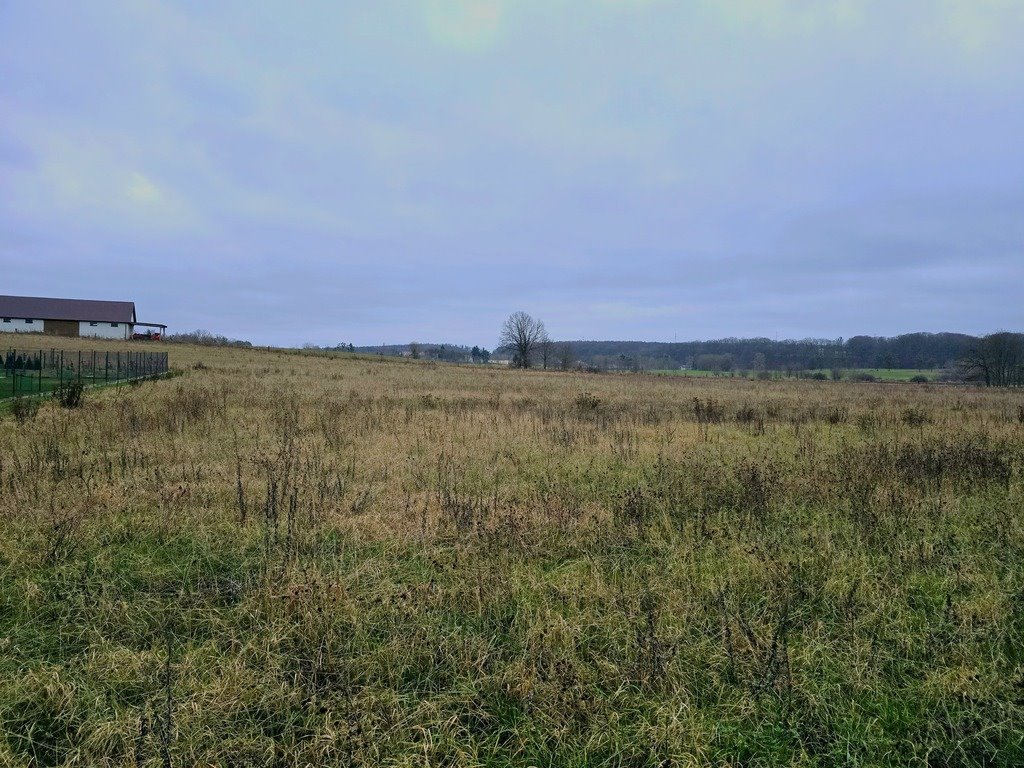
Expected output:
(282, 559)
(20, 384)
(897, 374)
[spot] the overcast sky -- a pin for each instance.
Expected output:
(624, 169)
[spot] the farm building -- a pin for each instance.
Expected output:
(71, 317)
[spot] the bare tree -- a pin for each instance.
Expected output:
(546, 349)
(997, 360)
(414, 350)
(565, 356)
(523, 335)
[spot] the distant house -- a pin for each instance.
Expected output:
(70, 317)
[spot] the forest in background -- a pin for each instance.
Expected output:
(908, 351)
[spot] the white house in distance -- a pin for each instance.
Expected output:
(70, 317)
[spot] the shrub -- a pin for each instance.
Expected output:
(586, 401)
(70, 394)
(24, 408)
(707, 411)
(863, 377)
(920, 379)
(837, 414)
(746, 414)
(867, 422)
(915, 417)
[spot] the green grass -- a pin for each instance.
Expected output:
(26, 384)
(31, 383)
(896, 374)
(267, 561)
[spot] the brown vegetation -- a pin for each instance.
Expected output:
(291, 559)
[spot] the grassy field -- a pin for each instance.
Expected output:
(279, 559)
(26, 384)
(897, 374)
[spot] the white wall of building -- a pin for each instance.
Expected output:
(104, 330)
(96, 330)
(18, 325)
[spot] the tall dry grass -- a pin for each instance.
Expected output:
(289, 559)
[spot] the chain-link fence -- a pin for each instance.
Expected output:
(37, 371)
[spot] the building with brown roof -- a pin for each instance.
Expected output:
(70, 317)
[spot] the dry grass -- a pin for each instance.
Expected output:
(282, 559)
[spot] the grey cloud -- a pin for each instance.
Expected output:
(324, 173)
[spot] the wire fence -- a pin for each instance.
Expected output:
(38, 371)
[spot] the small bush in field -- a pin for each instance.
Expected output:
(746, 414)
(916, 417)
(71, 394)
(837, 414)
(25, 409)
(919, 379)
(707, 411)
(586, 401)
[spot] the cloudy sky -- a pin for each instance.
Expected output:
(418, 169)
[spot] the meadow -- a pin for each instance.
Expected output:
(296, 560)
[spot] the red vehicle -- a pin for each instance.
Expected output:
(147, 336)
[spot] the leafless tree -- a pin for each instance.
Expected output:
(997, 360)
(566, 358)
(414, 350)
(522, 334)
(547, 353)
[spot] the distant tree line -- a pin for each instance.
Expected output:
(339, 347)
(206, 339)
(448, 353)
(913, 350)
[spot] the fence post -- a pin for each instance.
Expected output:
(106, 367)
(62, 369)
(39, 378)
